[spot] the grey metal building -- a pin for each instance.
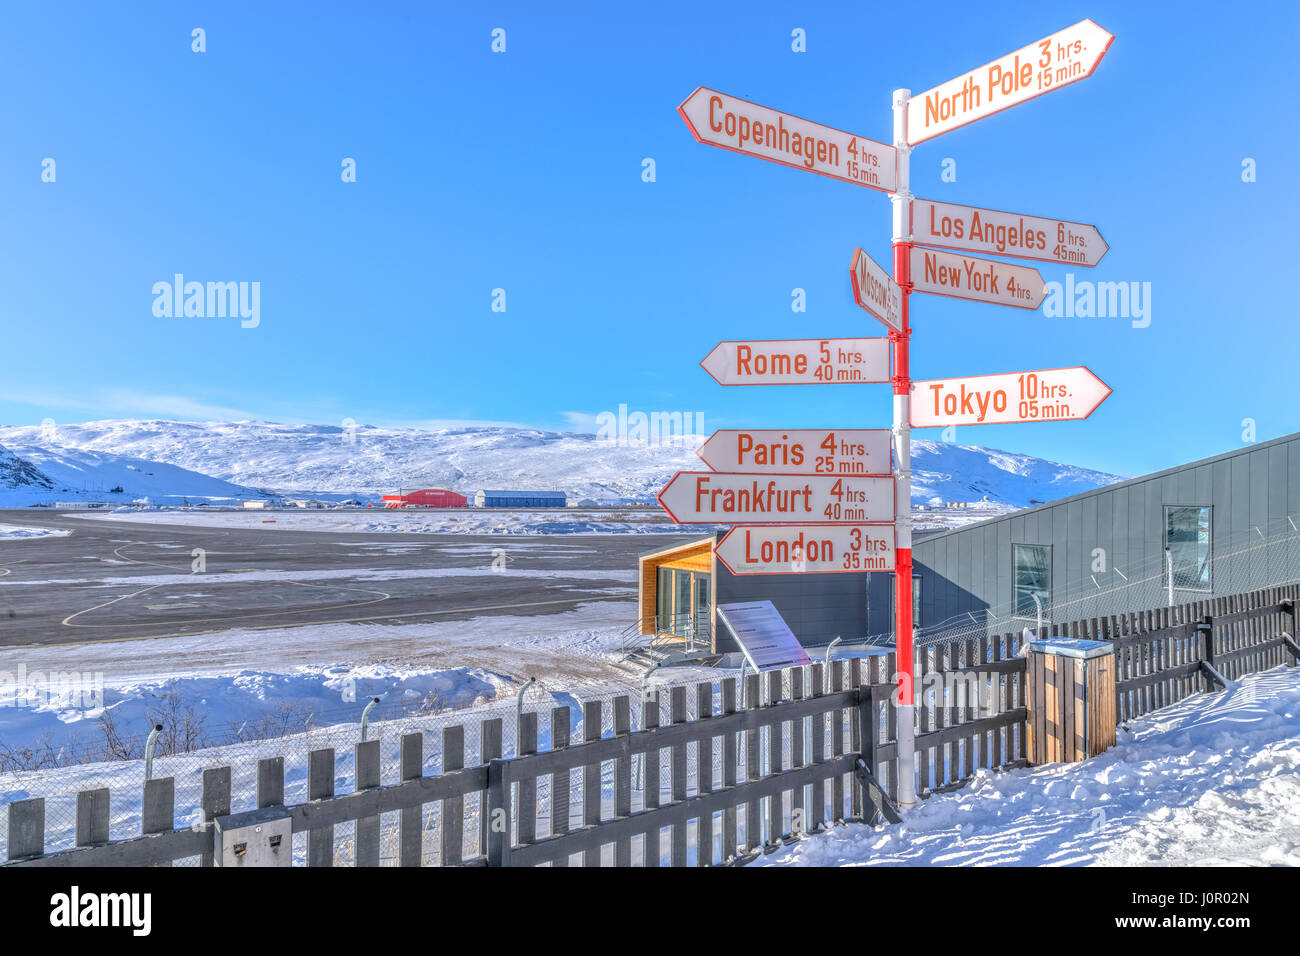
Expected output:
(1229, 522)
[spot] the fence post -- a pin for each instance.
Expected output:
(1205, 630)
(27, 828)
(410, 836)
(366, 777)
(1289, 608)
(497, 818)
(867, 734)
(216, 803)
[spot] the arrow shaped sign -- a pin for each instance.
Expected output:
(800, 451)
(1046, 395)
(744, 127)
(1063, 58)
(707, 497)
(970, 229)
(875, 291)
(980, 280)
(799, 362)
(818, 549)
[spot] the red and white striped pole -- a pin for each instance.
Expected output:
(901, 200)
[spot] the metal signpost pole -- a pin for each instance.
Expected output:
(901, 201)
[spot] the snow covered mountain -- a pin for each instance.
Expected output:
(215, 459)
(32, 474)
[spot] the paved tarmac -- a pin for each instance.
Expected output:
(117, 580)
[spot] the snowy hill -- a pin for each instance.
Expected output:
(366, 460)
(19, 475)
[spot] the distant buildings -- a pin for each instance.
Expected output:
(520, 499)
(427, 498)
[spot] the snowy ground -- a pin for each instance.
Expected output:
(9, 532)
(1212, 780)
(240, 677)
(455, 521)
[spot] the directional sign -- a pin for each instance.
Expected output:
(800, 451)
(1046, 395)
(707, 497)
(981, 280)
(949, 226)
(875, 291)
(794, 549)
(765, 639)
(1055, 61)
(799, 362)
(744, 127)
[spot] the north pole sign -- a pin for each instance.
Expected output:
(817, 549)
(1046, 395)
(979, 280)
(744, 127)
(875, 291)
(799, 362)
(969, 229)
(800, 451)
(1063, 58)
(694, 497)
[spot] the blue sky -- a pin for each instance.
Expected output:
(478, 170)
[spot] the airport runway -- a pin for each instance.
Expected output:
(117, 580)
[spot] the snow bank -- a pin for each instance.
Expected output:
(9, 532)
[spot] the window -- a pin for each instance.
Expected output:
(664, 599)
(1031, 575)
(1187, 536)
(916, 601)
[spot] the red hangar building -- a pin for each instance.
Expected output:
(428, 498)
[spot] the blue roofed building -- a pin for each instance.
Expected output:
(520, 499)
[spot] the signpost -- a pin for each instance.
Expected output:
(765, 639)
(820, 549)
(744, 127)
(969, 229)
(1063, 58)
(1046, 395)
(799, 362)
(822, 520)
(875, 291)
(799, 451)
(709, 497)
(980, 280)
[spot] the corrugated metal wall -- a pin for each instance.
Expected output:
(1257, 487)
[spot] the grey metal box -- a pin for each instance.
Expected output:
(254, 838)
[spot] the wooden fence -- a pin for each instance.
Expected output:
(1161, 655)
(807, 748)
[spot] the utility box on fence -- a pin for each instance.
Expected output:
(255, 838)
(1071, 699)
